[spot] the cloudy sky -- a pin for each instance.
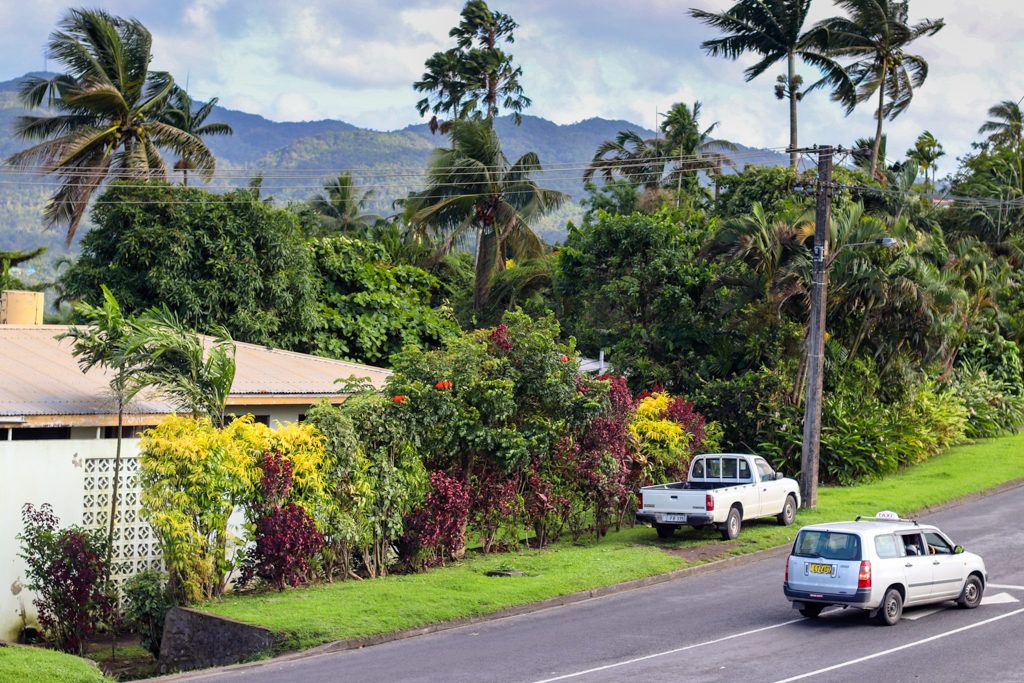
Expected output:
(355, 60)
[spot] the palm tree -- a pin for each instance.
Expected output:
(105, 341)
(875, 36)
(473, 187)
(638, 160)
(653, 163)
(108, 105)
(696, 149)
(925, 152)
(1007, 128)
(476, 78)
(179, 113)
(194, 374)
(341, 206)
(771, 29)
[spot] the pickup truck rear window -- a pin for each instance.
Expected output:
(830, 545)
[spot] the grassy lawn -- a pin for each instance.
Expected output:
(310, 616)
(37, 664)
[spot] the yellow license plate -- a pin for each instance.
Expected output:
(821, 569)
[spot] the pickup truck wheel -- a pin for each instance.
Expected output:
(891, 609)
(971, 595)
(788, 513)
(733, 523)
(665, 530)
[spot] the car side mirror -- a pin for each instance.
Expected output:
(958, 549)
(779, 475)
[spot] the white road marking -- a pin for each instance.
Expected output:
(998, 599)
(1005, 586)
(876, 655)
(667, 652)
(921, 614)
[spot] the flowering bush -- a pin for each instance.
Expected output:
(669, 431)
(286, 535)
(66, 570)
(437, 530)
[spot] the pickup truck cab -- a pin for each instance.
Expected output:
(722, 490)
(880, 564)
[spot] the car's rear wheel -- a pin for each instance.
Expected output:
(971, 595)
(733, 524)
(788, 513)
(811, 610)
(665, 530)
(891, 609)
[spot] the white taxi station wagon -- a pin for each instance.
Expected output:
(880, 564)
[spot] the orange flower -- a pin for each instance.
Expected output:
(564, 359)
(443, 384)
(400, 398)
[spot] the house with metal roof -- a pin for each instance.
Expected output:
(58, 438)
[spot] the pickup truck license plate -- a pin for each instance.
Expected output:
(821, 569)
(675, 518)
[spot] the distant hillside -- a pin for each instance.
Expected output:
(314, 146)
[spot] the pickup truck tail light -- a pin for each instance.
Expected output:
(709, 503)
(864, 576)
(640, 500)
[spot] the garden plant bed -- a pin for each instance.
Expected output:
(311, 616)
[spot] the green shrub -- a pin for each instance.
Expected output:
(147, 602)
(992, 405)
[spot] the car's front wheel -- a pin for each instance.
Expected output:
(971, 595)
(891, 609)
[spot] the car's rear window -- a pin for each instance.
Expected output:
(830, 545)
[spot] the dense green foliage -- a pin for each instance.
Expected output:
(370, 308)
(211, 258)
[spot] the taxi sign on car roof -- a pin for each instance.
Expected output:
(887, 514)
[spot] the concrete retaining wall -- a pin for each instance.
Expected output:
(197, 640)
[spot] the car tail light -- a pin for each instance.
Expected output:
(640, 500)
(709, 503)
(788, 558)
(864, 576)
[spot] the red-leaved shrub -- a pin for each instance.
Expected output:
(286, 535)
(436, 531)
(66, 569)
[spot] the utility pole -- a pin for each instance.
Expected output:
(816, 332)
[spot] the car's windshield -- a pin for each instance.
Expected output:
(830, 545)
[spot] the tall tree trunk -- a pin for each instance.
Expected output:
(793, 156)
(877, 145)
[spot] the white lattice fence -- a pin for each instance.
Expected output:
(135, 546)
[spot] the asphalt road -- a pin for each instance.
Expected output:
(729, 625)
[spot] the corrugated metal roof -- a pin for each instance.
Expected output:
(40, 376)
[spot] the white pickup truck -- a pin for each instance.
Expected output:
(723, 490)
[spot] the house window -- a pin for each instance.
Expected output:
(128, 431)
(40, 433)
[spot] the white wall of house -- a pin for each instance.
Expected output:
(51, 471)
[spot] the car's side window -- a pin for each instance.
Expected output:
(698, 469)
(764, 469)
(744, 469)
(912, 544)
(937, 545)
(887, 547)
(728, 468)
(714, 468)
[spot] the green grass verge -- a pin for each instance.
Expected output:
(314, 615)
(22, 664)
